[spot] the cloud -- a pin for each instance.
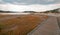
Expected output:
(18, 2)
(1, 0)
(49, 0)
(34, 7)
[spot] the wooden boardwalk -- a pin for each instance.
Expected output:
(49, 27)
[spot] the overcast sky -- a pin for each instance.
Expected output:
(29, 5)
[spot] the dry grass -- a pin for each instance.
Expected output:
(20, 25)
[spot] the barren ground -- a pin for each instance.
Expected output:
(19, 24)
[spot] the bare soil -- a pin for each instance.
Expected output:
(19, 24)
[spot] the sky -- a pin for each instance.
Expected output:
(29, 5)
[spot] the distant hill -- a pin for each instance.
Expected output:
(4, 11)
(1, 11)
(53, 11)
(29, 12)
(49, 11)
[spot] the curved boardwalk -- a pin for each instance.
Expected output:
(58, 19)
(49, 27)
